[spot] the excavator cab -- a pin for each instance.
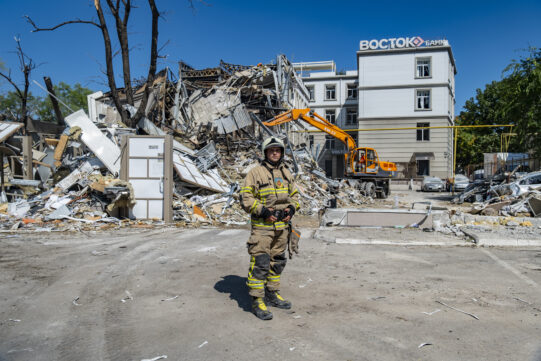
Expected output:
(360, 165)
(372, 161)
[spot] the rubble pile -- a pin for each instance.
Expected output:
(517, 198)
(215, 116)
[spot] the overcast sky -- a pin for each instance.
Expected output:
(485, 35)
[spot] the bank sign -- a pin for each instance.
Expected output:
(399, 43)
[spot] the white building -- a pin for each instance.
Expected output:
(399, 83)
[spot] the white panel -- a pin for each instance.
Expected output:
(7, 129)
(146, 147)
(147, 188)
(138, 168)
(181, 169)
(188, 172)
(155, 168)
(155, 209)
(140, 209)
(99, 144)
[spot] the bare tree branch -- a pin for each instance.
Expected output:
(26, 65)
(8, 78)
(122, 34)
(109, 62)
(76, 21)
(153, 60)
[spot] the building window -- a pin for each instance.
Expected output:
(311, 95)
(422, 99)
(330, 92)
(330, 115)
(423, 134)
(311, 141)
(352, 91)
(423, 68)
(351, 116)
(329, 142)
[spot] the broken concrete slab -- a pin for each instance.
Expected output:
(369, 217)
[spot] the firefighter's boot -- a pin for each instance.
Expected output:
(273, 298)
(259, 308)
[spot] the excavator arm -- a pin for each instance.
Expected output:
(317, 121)
(354, 164)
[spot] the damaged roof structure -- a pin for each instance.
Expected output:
(214, 117)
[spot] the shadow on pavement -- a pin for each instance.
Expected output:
(236, 287)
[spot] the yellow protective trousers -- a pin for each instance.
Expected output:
(267, 249)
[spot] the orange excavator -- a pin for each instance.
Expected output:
(362, 163)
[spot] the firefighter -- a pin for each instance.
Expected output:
(270, 196)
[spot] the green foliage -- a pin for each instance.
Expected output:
(516, 99)
(74, 97)
(41, 107)
(10, 106)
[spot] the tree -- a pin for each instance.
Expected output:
(10, 106)
(120, 11)
(26, 65)
(41, 107)
(516, 99)
(522, 103)
(75, 97)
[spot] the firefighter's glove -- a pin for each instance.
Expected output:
(290, 211)
(265, 213)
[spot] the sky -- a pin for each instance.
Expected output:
(485, 36)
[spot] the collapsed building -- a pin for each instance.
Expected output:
(182, 163)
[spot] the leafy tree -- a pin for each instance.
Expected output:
(10, 105)
(516, 99)
(75, 97)
(522, 104)
(41, 107)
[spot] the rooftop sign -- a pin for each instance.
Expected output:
(399, 43)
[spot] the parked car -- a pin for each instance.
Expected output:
(461, 183)
(432, 184)
(529, 181)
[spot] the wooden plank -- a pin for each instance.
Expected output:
(51, 141)
(59, 150)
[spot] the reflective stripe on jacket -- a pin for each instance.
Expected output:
(271, 187)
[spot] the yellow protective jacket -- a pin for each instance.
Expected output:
(271, 187)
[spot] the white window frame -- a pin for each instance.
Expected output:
(417, 95)
(311, 93)
(327, 90)
(425, 133)
(334, 115)
(353, 93)
(417, 73)
(330, 142)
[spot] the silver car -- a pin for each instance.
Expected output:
(461, 183)
(531, 181)
(432, 184)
